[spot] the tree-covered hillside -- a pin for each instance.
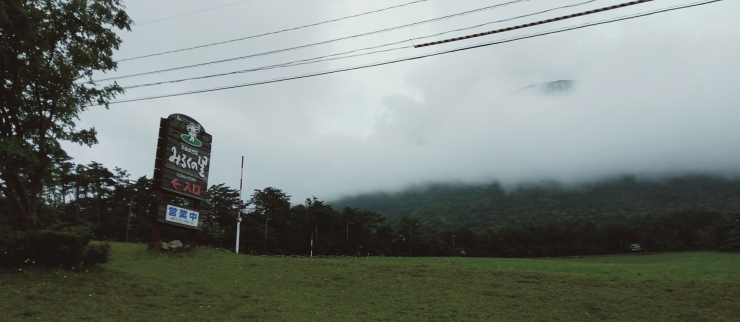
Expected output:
(82, 202)
(445, 206)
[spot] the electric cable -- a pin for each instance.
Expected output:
(190, 13)
(317, 43)
(288, 64)
(639, 15)
(537, 23)
(327, 57)
(274, 32)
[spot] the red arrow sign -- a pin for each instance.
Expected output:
(176, 184)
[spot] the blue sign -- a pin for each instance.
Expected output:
(182, 216)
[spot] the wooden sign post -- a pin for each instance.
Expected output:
(180, 176)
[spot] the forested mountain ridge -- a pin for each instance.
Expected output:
(615, 216)
(445, 206)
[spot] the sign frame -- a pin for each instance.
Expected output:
(181, 168)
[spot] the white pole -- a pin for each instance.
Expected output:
(238, 232)
(311, 245)
(239, 213)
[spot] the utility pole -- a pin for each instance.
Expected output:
(128, 222)
(453, 245)
(238, 227)
(239, 210)
(266, 219)
(411, 232)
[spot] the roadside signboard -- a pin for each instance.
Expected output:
(181, 169)
(187, 158)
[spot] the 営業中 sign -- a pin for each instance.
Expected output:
(182, 216)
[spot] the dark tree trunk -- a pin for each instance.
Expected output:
(23, 198)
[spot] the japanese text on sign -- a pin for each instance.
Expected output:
(192, 189)
(182, 216)
(186, 162)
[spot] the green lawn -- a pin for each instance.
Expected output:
(211, 285)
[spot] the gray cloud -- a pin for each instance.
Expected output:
(654, 95)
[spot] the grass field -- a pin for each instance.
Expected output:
(213, 285)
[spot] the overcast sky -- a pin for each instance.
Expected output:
(654, 95)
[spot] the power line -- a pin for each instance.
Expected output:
(328, 57)
(315, 44)
(626, 4)
(274, 32)
(504, 20)
(418, 56)
(328, 41)
(191, 13)
(288, 64)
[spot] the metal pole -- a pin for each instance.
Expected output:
(453, 245)
(239, 211)
(238, 232)
(411, 232)
(311, 245)
(128, 222)
(266, 219)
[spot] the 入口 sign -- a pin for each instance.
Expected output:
(187, 157)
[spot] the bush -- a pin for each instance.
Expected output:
(61, 245)
(95, 254)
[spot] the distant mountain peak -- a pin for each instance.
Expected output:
(558, 87)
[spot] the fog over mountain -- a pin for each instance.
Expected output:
(558, 87)
(614, 199)
(650, 96)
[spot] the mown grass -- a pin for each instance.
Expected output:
(212, 285)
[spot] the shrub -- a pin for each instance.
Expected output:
(95, 254)
(61, 245)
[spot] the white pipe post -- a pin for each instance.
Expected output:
(238, 232)
(311, 245)
(239, 211)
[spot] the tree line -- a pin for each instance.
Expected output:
(448, 206)
(116, 207)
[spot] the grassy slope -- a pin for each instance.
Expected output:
(213, 285)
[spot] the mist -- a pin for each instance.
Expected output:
(651, 97)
